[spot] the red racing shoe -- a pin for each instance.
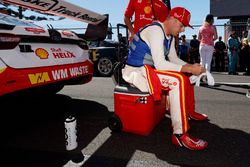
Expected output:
(197, 116)
(189, 142)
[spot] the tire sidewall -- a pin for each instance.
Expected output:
(102, 62)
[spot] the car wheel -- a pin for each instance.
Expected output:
(114, 123)
(105, 67)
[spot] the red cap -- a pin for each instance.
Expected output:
(181, 14)
(160, 10)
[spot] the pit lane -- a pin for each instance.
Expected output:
(33, 130)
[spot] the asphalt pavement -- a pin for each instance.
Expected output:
(33, 129)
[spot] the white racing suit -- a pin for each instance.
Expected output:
(151, 47)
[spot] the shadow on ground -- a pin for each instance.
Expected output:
(33, 135)
(227, 147)
(33, 128)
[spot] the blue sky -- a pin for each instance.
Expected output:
(115, 8)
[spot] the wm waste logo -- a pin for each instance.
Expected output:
(39, 78)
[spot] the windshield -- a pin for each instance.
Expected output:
(5, 19)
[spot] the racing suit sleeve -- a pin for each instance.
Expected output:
(173, 55)
(156, 45)
(129, 12)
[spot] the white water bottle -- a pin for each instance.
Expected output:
(70, 133)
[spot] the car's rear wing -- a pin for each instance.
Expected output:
(60, 8)
(96, 32)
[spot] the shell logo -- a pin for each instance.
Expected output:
(147, 9)
(42, 53)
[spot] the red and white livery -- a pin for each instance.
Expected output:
(32, 56)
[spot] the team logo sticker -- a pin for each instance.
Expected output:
(147, 9)
(41, 53)
(167, 83)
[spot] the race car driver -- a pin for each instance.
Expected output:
(153, 46)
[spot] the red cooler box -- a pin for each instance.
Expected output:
(137, 111)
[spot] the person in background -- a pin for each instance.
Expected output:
(194, 55)
(248, 66)
(232, 53)
(207, 35)
(244, 53)
(153, 66)
(144, 12)
(248, 58)
(219, 54)
(183, 49)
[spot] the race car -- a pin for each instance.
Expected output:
(106, 54)
(46, 59)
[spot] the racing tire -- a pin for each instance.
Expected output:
(105, 67)
(114, 123)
